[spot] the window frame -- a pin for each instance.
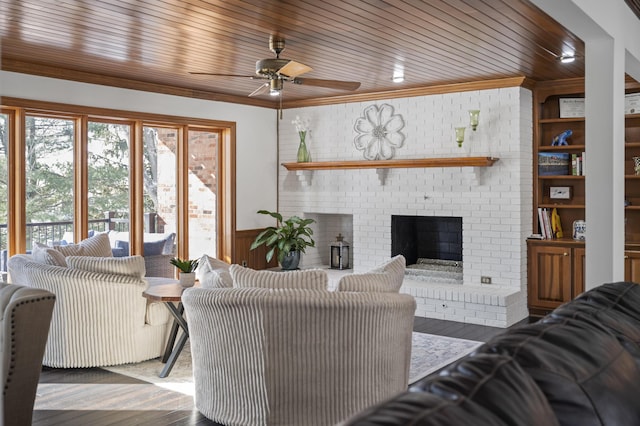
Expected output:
(18, 109)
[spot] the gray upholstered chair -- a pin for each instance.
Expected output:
(26, 316)
(281, 356)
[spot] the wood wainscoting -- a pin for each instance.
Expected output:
(243, 255)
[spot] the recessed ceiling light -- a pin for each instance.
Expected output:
(566, 59)
(398, 74)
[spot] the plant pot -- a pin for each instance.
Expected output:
(187, 279)
(291, 261)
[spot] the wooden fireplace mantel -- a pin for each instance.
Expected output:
(394, 164)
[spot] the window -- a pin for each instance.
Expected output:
(108, 179)
(203, 192)
(90, 170)
(49, 167)
(4, 193)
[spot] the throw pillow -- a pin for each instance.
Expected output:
(121, 247)
(395, 267)
(97, 246)
(376, 282)
(47, 255)
(128, 265)
(308, 279)
(387, 277)
(213, 273)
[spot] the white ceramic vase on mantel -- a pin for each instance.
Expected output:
(187, 279)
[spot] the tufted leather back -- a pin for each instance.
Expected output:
(26, 316)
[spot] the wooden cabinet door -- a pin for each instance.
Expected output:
(632, 266)
(578, 271)
(550, 269)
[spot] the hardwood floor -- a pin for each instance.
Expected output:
(96, 397)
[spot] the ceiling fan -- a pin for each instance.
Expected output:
(278, 70)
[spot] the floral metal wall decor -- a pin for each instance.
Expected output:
(379, 132)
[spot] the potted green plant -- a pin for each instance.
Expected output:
(187, 268)
(288, 239)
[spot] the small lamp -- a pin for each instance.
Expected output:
(339, 253)
(460, 136)
(474, 115)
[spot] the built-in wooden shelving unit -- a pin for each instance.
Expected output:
(394, 164)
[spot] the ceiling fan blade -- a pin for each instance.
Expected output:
(222, 75)
(263, 88)
(293, 69)
(330, 84)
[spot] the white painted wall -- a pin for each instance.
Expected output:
(495, 203)
(256, 130)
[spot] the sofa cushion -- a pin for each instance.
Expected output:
(155, 243)
(588, 377)
(213, 273)
(395, 267)
(387, 277)
(98, 246)
(375, 282)
(151, 248)
(47, 255)
(308, 279)
(470, 392)
(129, 265)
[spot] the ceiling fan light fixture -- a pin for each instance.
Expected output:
(275, 87)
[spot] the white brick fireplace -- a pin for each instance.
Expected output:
(493, 202)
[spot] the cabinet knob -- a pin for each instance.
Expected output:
(626, 257)
(565, 254)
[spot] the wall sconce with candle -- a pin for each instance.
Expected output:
(474, 116)
(460, 136)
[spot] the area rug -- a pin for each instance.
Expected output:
(429, 353)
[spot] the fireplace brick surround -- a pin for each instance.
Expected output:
(494, 202)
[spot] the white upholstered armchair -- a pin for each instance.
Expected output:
(100, 317)
(264, 356)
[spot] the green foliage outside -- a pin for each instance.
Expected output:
(49, 151)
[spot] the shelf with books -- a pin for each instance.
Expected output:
(548, 148)
(562, 206)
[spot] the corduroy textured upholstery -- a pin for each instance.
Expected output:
(583, 359)
(296, 357)
(100, 318)
(26, 315)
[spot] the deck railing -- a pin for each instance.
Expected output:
(54, 232)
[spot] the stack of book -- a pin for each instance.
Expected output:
(577, 164)
(549, 222)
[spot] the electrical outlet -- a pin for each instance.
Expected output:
(485, 280)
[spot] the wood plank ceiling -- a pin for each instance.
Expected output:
(155, 44)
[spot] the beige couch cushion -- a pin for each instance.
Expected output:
(97, 246)
(308, 279)
(213, 273)
(387, 277)
(379, 282)
(128, 265)
(47, 255)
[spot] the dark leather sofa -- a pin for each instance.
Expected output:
(579, 365)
